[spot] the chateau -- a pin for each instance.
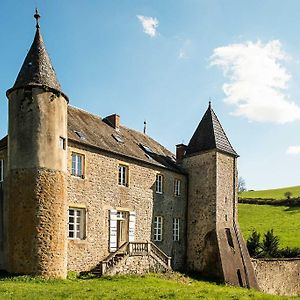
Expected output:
(84, 193)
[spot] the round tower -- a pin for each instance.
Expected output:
(37, 166)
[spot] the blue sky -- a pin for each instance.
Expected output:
(161, 61)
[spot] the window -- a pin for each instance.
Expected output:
(177, 187)
(158, 225)
(1, 170)
(159, 183)
(77, 164)
(62, 143)
(76, 225)
(229, 237)
(123, 175)
(175, 229)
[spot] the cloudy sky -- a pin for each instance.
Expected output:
(161, 61)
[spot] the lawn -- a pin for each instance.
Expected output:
(273, 194)
(284, 220)
(169, 286)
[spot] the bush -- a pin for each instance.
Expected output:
(270, 244)
(253, 244)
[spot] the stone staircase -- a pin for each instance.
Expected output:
(134, 258)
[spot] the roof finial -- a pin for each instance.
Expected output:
(209, 103)
(145, 127)
(37, 17)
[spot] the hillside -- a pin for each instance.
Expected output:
(284, 220)
(272, 193)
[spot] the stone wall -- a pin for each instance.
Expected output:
(139, 264)
(278, 276)
(98, 192)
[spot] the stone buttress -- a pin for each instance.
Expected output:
(215, 247)
(37, 156)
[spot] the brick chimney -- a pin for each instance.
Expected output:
(113, 121)
(180, 152)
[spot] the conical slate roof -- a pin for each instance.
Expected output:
(209, 135)
(37, 68)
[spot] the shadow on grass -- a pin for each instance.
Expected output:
(293, 209)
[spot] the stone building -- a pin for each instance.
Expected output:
(82, 193)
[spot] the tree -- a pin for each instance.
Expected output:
(253, 244)
(241, 184)
(270, 244)
(288, 194)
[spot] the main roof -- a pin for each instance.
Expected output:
(209, 135)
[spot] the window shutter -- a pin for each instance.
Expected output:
(131, 226)
(113, 230)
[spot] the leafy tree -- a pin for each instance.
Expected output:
(241, 184)
(270, 244)
(288, 194)
(253, 244)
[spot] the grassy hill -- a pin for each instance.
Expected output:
(284, 220)
(168, 286)
(272, 194)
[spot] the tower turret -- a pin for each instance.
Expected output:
(37, 166)
(215, 247)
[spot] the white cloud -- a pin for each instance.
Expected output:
(293, 150)
(182, 54)
(257, 81)
(149, 25)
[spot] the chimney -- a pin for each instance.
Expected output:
(113, 121)
(180, 152)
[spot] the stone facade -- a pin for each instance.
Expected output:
(99, 192)
(278, 276)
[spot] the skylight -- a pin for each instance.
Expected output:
(80, 134)
(146, 148)
(118, 138)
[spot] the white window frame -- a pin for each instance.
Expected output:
(177, 187)
(1, 170)
(159, 183)
(123, 172)
(76, 223)
(62, 143)
(176, 229)
(158, 228)
(78, 165)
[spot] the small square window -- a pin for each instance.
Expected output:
(62, 143)
(159, 184)
(177, 187)
(76, 224)
(77, 165)
(123, 175)
(176, 229)
(158, 227)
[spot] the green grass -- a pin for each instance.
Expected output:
(149, 287)
(273, 194)
(284, 220)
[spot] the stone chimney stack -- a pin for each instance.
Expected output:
(113, 120)
(180, 152)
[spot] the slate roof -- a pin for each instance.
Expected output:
(89, 129)
(209, 135)
(37, 68)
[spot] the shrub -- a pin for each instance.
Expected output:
(253, 244)
(270, 244)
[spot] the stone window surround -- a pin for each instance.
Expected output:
(159, 183)
(75, 172)
(158, 228)
(82, 222)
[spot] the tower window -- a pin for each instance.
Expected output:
(77, 165)
(176, 229)
(159, 184)
(177, 187)
(76, 224)
(62, 143)
(123, 175)
(1, 170)
(229, 237)
(158, 227)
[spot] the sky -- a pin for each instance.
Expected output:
(161, 61)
